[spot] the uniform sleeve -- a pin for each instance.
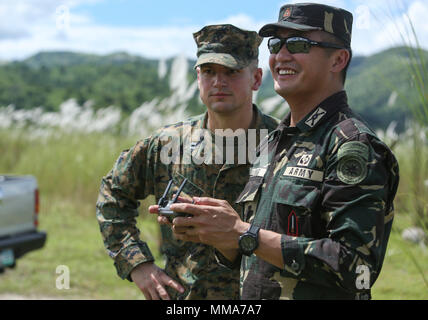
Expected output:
(116, 210)
(356, 207)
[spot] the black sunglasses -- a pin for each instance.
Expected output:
(297, 44)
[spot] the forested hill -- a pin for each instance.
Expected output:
(379, 86)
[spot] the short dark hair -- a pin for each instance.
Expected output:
(328, 37)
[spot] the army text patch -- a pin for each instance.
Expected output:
(304, 173)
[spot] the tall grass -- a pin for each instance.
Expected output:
(66, 165)
(418, 154)
(69, 169)
(413, 153)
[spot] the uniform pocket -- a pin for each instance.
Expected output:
(295, 206)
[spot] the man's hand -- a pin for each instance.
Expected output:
(214, 222)
(154, 209)
(151, 280)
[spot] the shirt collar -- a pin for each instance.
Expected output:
(320, 114)
(257, 122)
(197, 136)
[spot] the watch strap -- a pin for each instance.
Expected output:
(254, 230)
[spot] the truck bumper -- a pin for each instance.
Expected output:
(23, 243)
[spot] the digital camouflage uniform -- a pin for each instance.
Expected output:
(140, 172)
(328, 189)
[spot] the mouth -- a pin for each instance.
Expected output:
(220, 95)
(285, 71)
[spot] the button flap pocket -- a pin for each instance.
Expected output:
(294, 206)
(296, 195)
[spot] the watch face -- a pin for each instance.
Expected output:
(247, 243)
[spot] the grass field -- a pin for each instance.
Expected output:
(73, 241)
(69, 169)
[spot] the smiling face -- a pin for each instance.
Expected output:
(225, 90)
(301, 74)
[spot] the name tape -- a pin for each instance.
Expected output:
(304, 173)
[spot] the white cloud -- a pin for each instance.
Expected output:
(246, 22)
(79, 33)
(240, 20)
(149, 42)
(387, 25)
(31, 26)
(56, 27)
(27, 27)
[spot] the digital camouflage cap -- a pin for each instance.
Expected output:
(227, 45)
(312, 16)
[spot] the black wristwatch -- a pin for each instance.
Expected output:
(249, 241)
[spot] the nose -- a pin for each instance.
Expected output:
(219, 80)
(284, 54)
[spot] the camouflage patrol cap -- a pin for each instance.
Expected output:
(227, 45)
(312, 16)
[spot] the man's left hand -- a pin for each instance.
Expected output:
(213, 222)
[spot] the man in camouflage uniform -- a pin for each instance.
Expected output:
(321, 207)
(228, 73)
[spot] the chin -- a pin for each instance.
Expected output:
(282, 90)
(221, 108)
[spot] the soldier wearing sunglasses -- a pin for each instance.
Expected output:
(318, 215)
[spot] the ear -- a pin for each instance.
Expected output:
(198, 70)
(340, 59)
(258, 75)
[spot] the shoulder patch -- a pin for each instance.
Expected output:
(352, 162)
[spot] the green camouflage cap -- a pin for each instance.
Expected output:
(312, 16)
(227, 45)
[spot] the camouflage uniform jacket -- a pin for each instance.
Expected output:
(327, 186)
(140, 172)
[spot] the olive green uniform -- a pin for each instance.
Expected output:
(328, 188)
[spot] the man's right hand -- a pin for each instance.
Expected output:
(151, 280)
(154, 209)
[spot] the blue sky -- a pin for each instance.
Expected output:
(190, 12)
(161, 29)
